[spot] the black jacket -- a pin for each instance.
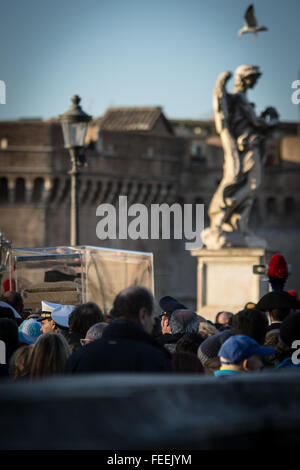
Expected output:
(124, 347)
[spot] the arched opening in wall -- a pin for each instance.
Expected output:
(97, 193)
(169, 196)
(66, 191)
(255, 213)
(87, 191)
(200, 200)
(54, 190)
(3, 191)
(38, 188)
(146, 192)
(20, 190)
(107, 192)
(271, 207)
(139, 191)
(156, 197)
(289, 206)
(118, 190)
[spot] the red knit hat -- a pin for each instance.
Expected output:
(278, 267)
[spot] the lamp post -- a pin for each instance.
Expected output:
(74, 125)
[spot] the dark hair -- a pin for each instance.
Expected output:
(129, 301)
(189, 343)
(229, 314)
(250, 322)
(6, 312)
(279, 314)
(14, 299)
(290, 329)
(186, 362)
(83, 317)
(20, 362)
(8, 331)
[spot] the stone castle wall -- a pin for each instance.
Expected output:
(35, 193)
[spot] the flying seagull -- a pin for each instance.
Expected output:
(251, 23)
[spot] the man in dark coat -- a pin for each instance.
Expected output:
(126, 344)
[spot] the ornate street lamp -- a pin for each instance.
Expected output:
(74, 125)
(5, 249)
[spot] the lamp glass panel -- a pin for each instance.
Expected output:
(74, 133)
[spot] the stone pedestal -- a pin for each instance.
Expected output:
(225, 279)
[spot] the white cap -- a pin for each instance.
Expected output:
(49, 306)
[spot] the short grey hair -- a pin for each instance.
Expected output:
(184, 321)
(96, 331)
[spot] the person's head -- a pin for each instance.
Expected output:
(207, 329)
(208, 351)
(279, 314)
(20, 362)
(223, 318)
(190, 343)
(290, 329)
(249, 305)
(184, 321)
(14, 299)
(277, 300)
(165, 323)
(246, 76)
(168, 305)
(48, 325)
(184, 362)
(93, 333)
(49, 355)
(8, 331)
(273, 340)
(9, 334)
(6, 312)
(135, 303)
(29, 331)
(242, 353)
(250, 322)
(83, 317)
(277, 272)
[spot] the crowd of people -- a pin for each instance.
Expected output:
(65, 339)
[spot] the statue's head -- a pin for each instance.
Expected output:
(245, 76)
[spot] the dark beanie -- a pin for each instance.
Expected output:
(290, 328)
(210, 347)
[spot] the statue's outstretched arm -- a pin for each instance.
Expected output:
(267, 119)
(222, 117)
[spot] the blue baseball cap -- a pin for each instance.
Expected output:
(240, 347)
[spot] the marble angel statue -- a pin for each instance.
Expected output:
(243, 135)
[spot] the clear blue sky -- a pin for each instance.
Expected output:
(142, 53)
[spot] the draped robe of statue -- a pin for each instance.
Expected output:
(243, 135)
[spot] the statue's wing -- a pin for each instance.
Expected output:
(221, 102)
(250, 17)
(222, 119)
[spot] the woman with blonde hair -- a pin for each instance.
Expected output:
(49, 356)
(20, 362)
